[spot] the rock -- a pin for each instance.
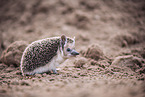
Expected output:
(23, 83)
(80, 62)
(14, 83)
(128, 61)
(3, 91)
(51, 79)
(124, 40)
(93, 52)
(12, 55)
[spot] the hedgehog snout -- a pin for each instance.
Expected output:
(74, 53)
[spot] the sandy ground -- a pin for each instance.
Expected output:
(109, 36)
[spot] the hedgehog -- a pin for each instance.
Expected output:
(45, 55)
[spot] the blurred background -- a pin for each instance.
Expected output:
(93, 21)
(116, 26)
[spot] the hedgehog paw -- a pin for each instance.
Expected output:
(54, 71)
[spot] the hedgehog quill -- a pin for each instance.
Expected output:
(46, 54)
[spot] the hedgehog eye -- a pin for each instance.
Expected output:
(68, 49)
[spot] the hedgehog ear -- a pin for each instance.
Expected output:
(74, 38)
(74, 41)
(63, 40)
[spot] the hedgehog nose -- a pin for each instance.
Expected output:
(74, 52)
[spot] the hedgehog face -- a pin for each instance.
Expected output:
(68, 48)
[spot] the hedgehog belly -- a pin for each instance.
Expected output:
(47, 67)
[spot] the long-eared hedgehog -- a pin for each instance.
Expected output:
(44, 55)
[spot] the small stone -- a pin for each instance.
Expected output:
(128, 61)
(38, 75)
(51, 79)
(44, 75)
(93, 52)
(23, 83)
(18, 73)
(3, 91)
(80, 62)
(12, 55)
(75, 77)
(15, 83)
(124, 40)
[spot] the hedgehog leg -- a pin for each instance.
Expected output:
(28, 73)
(54, 71)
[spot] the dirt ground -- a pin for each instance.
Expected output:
(109, 36)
